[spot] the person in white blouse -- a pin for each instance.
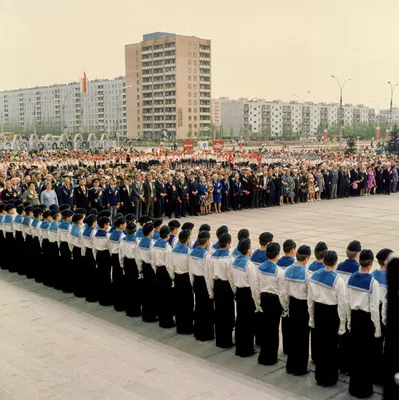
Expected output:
(364, 325)
(271, 304)
(327, 315)
(149, 312)
(103, 260)
(159, 258)
(198, 263)
(296, 295)
(65, 253)
(177, 266)
(244, 276)
(36, 249)
(43, 270)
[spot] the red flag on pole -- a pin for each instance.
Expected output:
(84, 84)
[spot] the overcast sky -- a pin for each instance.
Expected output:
(260, 48)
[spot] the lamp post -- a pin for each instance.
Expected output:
(390, 106)
(302, 103)
(341, 110)
(34, 116)
(62, 120)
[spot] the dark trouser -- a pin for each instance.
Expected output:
(326, 322)
(245, 323)
(149, 311)
(118, 284)
(362, 366)
(270, 320)
(104, 287)
(9, 252)
(133, 285)
(165, 298)
(224, 313)
(285, 331)
(343, 352)
(184, 304)
(183, 208)
(236, 203)
(37, 260)
(172, 207)
(12, 247)
(78, 273)
(28, 267)
(298, 350)
(203, 312)
(225, 202)
(51, 277)
(149, 207)
(194, 201)
(65, 266)
(387, 187)
(379, 353)
(21, 251)
(47, 263)
(91, 276)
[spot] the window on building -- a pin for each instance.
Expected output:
(189, 70)
(195, 102)
(195, 110)
(189, 53)
(195, 117)
(189, 62)
(189, 94)
(195, 54)
(195, 46)
(195, 62)
(138, 97)
(189, 117)
(195, 125)
(189, 102)
(189, 110)
(189, 85)
(189, 78)
(195, 94)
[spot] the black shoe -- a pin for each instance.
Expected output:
(301, 373)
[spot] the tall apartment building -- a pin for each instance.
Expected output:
(63, 108)
(216, 111)
(385, 115)
(168, 81)
(276, 117)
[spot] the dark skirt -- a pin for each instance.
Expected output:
(91, 276)
(28, 264)
(224, 313)
(204, 325)
(285, 332)
(298, 348)
(362, 366)
(184, 304)
(326, 322)
(149, 285)
(51, 276)
(133, 296)
(104, 286)
(270, 322)
(65, 266)
(78, 271)
(118, 284)
(245, 323)
(43, 272)
(165, 298)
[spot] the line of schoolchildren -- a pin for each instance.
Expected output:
(206, 289)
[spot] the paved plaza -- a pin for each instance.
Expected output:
(55, 346)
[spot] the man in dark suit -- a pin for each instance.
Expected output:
(112, 200)
(354, 178)
(171, 199)
(65, 193)
(237, 192)
(149, 196)
(124, 196)
(9, 193)
(193, 189)
(137, 197)
(161, 195)
(80, 195)
(225, 193)
(95, 195)
(387, 178)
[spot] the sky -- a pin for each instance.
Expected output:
(260, 48)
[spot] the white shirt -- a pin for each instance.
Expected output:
(267, 282)
(177, 262)
(296, 289)
(114, 244)
(160, 255)
(63, 234)
(8, 228)
(75, 241)
(365, 301)
(329, 295)
(143, 254)
(127, 249)
(245, 277)
(198, 264)
(100, 243)
(219, 267)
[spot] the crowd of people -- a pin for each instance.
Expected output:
(180, 183)
(239, 297)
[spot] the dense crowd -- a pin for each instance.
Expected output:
(179, 183)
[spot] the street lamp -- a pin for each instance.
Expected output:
(302, 103)
(341, 110)
(62, 120)
(390, 106)
(34, 116)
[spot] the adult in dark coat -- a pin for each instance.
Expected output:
(193, 190)
(80, 195)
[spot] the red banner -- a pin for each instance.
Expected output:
(377, 133)
(387, 134)
(188, 145)
(217, 145)
(325, 134)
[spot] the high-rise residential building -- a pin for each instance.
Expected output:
(216, 106)
(276, 117)
(65, 109)
(168, 81)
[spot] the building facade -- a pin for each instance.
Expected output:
(168, 81)
(277, 118)
(65, 109)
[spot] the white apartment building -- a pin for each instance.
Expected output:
(63, 108)
(276, 117)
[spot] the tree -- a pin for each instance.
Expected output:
(241, 131)
(190, 133)
(231, 132)
(212, 131)
(351, 146)
(393, 141)
(221, 131)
